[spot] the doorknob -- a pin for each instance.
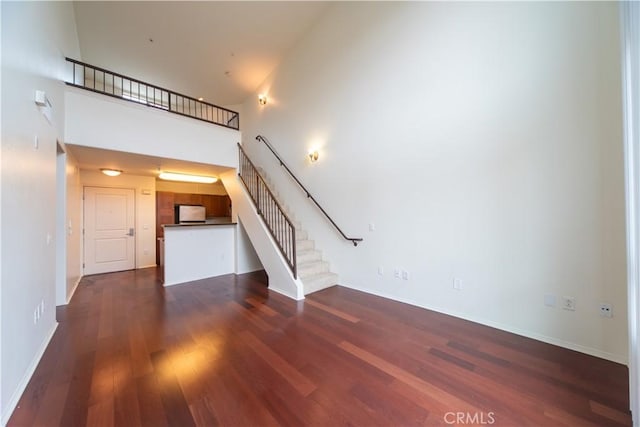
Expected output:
(130, 233)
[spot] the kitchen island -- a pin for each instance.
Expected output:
(198, 250)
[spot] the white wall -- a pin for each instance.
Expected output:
(280, 278)
(145, 209)
(247, 259)
(36, 36)
(100, 121)
(73, 226)
(483, 142)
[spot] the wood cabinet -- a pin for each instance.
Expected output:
(165, 214)
(164, 210)
(217, 205)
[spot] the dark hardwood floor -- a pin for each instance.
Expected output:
(226, 351)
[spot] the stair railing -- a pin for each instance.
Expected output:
(280, 226)
(96, 79)
(354, 240)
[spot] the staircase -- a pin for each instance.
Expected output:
(313, 271)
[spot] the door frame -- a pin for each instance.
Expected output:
(135, 220)
(61, 228)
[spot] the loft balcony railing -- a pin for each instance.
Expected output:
(113, 84)
(280, 226)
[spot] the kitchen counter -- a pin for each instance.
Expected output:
(197, 251)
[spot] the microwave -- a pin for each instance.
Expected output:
(189, 214)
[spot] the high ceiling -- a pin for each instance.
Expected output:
(220, 51)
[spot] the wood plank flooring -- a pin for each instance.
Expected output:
(228, 352)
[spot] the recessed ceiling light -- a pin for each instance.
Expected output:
(172, 176)
(111, 172)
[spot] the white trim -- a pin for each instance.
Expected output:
(522, 332)
(22, 385)
(630, 47)
(147, 266)
(73, 291)
(285, 293)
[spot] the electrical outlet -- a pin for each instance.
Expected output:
(457, 284)
(35, 317)
(381, 271)
(569, 303)
(405, 275)
(396, 273)
(606, 310)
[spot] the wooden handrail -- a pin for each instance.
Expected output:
(354, 240)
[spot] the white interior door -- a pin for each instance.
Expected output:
(109, 242)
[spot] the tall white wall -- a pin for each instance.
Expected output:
(482, 141)
(36, 36)
(145, 209)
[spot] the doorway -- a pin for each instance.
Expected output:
(109, 231)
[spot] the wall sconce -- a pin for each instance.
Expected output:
(262, 99)
(111, 172)
(313, 156)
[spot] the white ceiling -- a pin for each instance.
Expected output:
(90, 158)
(221, 51)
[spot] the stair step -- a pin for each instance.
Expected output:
(301, 234)
(307, 255)
(303, 245)
(318, 282)
(312, 268)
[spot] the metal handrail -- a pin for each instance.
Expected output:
(169, 100)
(354, 240)
(274, 216)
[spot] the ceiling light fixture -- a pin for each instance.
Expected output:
(111, 172)
(262, 99)
(172, 176)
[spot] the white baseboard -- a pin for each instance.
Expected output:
(22, 385)
(73, 291)
(250, 270)
(285, 293)
(525, 333)
(147, 266)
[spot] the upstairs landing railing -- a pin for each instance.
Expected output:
(113, 84)
(280, 226)
(354, 240)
